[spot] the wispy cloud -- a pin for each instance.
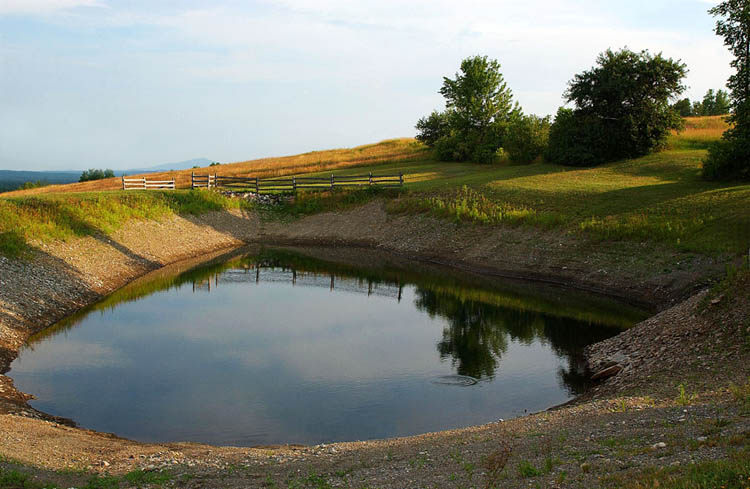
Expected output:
(142, 82)
(42, 6)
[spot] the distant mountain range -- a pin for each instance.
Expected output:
(180, 165)
(11, 179)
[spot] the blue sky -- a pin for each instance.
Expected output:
(131, 83)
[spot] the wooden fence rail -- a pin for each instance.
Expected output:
(202, 181)
(292, 184)
(145, 184)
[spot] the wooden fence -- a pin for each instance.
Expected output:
(144, 184)
(202, 181)
(292, 184)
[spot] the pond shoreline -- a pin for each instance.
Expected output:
(66, 277)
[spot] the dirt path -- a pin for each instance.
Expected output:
(563, 447)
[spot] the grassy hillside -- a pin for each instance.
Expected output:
(660, 197)
(66, 215)
(404, 149)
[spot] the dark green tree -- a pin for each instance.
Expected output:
(479, 107)
(722, 104)
(714, 103)
(433, 127)
(730, 158)
(621, 107)
(683, 107)
(708, 105)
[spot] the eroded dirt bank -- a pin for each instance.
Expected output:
(63, 277)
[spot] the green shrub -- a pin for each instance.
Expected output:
(728, 159)
(527, 138)
(527, 469)
(570, 142)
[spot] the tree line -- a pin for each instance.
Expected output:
(96, 174)
(713, 103)
(621, 108)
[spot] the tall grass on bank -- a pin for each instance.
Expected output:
(466, 204)
(64, 216)
(314, 202)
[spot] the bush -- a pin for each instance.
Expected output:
(30, 185)
(569, 142)
(727, 160)
(96, 174)
(467, 148)
(527, 138)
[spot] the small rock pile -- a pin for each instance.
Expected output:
(658, 343)
(698, 334)
(262, 199)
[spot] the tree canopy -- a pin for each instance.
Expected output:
(621, 110)
(713, 103)
(730, 158)
(479, 107)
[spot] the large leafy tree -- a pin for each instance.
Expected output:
(731, 157)
(479, 107)
(622, 108)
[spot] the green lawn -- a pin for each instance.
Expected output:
(657, 197)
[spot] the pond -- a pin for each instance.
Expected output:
(277, 346)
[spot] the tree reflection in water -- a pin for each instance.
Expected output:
(478, 334)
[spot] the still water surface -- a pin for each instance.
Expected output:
(277, 347)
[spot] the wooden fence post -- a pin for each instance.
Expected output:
(369, 181)
(401, 179)
(257, 188)
(144, 184)
(331, 181)
(294, 184)
(192, 180)
(123, 182)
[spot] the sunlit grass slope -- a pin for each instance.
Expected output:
(660, 197)
(63, 216)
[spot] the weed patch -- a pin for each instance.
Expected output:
(527, 469)
(733, 473)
